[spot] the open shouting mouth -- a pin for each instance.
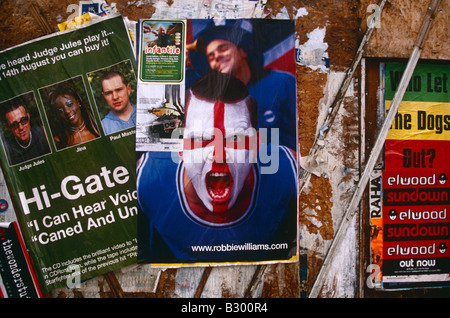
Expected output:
(219, 183)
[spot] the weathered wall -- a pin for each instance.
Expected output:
(325, 196)
(328, 34)
(399, 25)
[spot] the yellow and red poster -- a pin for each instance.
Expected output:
(416, 189)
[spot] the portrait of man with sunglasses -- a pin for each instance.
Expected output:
(25, 141)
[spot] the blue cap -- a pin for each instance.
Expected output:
(236, 31)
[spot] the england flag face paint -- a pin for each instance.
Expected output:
(218, 150)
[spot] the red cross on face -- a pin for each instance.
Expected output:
(217, 147)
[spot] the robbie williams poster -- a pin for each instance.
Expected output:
(217, 183)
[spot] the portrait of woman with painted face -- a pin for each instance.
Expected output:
(71, 121)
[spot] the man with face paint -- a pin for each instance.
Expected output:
(216, 195)
(27, 141)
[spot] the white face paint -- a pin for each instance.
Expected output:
(216, 151)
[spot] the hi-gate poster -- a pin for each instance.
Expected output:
(416, 188)
(68, 160)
